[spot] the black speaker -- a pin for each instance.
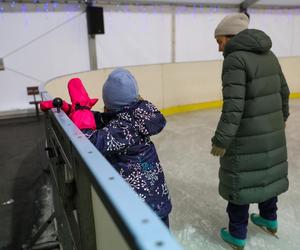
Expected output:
(95, 20)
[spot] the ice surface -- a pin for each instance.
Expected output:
(192, 175)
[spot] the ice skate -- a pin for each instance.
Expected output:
(269, 226)
(235, 243)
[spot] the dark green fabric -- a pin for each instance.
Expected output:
(252, 124)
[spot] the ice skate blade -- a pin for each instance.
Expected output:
(269, 231)
(234, 247)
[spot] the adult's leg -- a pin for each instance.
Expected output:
(238, 220)
(268, 208)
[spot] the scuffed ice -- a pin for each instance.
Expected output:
(192, 176)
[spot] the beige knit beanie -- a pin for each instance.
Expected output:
(232, 25)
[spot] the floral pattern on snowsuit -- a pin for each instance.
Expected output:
(125, 142)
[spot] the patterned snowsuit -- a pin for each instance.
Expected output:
(125, 142)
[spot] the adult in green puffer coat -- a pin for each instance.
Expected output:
(250, 137)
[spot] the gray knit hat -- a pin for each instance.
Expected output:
(120, 89)
(232, 25)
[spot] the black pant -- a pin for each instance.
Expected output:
(238, 216)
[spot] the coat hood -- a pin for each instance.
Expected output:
(251, 40)
(147, 118)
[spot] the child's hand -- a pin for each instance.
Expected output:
(46, 105)
(82, 116)
(83, 119)
(81, 113)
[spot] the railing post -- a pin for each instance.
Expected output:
(84, 207)
(62, 225)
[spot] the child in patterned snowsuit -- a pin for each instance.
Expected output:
(124, 140)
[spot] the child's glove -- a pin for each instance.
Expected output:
(80, 110)
(46, 105)
(81, 113)
(217, 151)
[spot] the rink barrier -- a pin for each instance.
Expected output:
(191, 107)
(94, 207)
(294, 95)
(203, 106)
(172, 87)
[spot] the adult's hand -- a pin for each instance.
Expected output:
(217, 151)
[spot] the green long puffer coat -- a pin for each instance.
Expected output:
(252, 124)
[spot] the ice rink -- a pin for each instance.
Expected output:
(192, 174)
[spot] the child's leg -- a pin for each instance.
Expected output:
(238, 220)
(268, 208)
(165, 220)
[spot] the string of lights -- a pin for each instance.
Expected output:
(125, 6)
